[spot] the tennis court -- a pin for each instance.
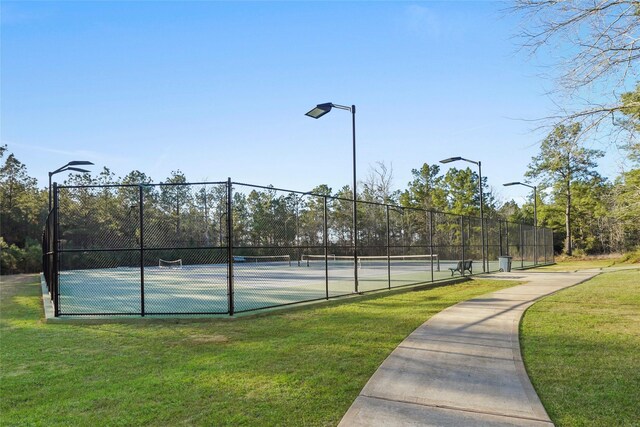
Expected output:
(200, 289)
(225, 247)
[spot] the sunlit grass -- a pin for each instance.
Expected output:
(574, 264)
(581, 350)
(301, 367)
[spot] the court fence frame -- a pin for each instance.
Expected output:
(128, 227)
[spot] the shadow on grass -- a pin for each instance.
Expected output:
(297, 367)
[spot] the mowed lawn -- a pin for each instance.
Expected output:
(581, 264)
(297, 368)
(582, 351)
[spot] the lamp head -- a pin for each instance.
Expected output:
(77, 169)
(512, 183)
(71, 163)
(451, 159)
(319, 110)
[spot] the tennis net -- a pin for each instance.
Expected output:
(395, 261)
(263, 259)
(172, 264)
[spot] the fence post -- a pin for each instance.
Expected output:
(56, 255)
(141, 213)
(44, 257)
(535, 245)
(462, 240)
(230, 247)
(500, 236)
(46, 252)
(431, 243)
(354, 241)
(506, 232)
(522, 247)
(388, 247)
(544, 242)
(325, 243)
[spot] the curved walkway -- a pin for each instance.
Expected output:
(463, 366)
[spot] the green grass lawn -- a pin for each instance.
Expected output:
(300, 367)
(582, 350)
(580, 264)
(564, 263)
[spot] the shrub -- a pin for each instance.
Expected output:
(15, 260)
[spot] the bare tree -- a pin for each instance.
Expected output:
(596, 43)
(378, 185)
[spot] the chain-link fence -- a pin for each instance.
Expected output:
(224, 248)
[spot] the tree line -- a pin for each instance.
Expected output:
(105, 221)
(588, 213)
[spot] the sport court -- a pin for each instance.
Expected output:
(257, 283)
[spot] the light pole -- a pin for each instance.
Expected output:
(535, 216)
(317, 112)
(455, 159)
(67, 167)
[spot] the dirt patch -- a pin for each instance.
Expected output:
(19, 279)
(10, 285)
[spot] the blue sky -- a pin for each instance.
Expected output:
(219, 89)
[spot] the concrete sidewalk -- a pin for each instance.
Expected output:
(463, 366)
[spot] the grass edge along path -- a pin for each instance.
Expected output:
(301, 367)
(580, 348)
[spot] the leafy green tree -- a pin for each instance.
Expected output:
(14, 259)
(173, 198)
(563, 162)
(461, 187)
(86, 213)
(631, 109)
(130, 196)
(341, 217)
(591, 225)
(309, 210)
(267, 217)
(14, 180)
(10, 256)
(209, 199)
(241, 220)
(426, 190)
(625, 210)
(310, 215)
(456, 192)
(22, 205)
(511, 211)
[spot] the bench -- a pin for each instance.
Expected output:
(466, 265)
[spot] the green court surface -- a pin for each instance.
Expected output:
(194, 289)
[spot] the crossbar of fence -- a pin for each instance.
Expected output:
(213, 248)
